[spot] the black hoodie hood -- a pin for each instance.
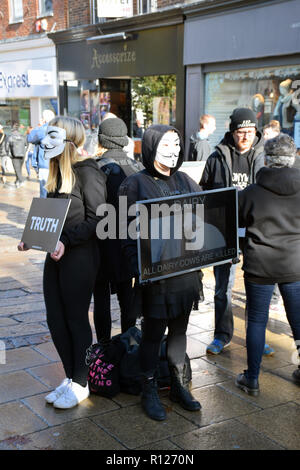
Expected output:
(150, 141)
(283, 181)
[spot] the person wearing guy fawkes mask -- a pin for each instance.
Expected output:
(235, 162)
(168, 302)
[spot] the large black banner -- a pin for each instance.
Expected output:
(44, 223)
(184, 233)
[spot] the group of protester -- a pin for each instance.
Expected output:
(83, 265)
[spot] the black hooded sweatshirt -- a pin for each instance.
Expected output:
(149, 184)
(218, 171)
(269, 210)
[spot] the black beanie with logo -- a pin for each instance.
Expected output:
(242, 117)
(112, 133)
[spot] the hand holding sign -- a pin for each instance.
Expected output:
(59, 252)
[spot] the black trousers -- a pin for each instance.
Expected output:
(102, 312)
(17, 164)
(153, 332)
(68, 286)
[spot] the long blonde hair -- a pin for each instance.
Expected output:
(76, 135)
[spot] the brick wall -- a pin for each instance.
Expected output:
(79, 12)
(30, 16)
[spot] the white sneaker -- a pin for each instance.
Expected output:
(58, 391)
(72, 395)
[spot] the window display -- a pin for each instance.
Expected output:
(270, 92)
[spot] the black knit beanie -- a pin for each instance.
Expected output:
(242, 117)
(112, 133)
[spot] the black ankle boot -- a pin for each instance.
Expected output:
(150, 400)
(179, 392)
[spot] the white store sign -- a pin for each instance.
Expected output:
(114, 8)
(27, 79)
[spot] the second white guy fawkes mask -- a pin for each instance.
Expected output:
(54, 142)
(168, 149)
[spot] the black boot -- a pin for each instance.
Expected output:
(150, 400)
(179, 392)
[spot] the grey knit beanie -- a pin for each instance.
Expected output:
(280, 151)
(112, 133)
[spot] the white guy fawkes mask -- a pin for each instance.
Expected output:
(54, 142)
(168, 149)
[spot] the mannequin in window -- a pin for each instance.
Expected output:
(258, 105)
(285, 109)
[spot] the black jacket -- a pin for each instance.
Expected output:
(218, 169)
(17, 144)
(149, 184)
(269, 210)
(117, 166)
(89, 191)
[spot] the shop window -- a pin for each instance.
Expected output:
(272, 93)
(45, 7)
(147, 6)
(15, 11)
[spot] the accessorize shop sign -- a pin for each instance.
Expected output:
(44, 223)
(26, 79)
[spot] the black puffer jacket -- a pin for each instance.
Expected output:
(178, 290)
(269, 210)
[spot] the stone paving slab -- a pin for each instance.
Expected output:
(130, 426)
(228, 435)
(281, 424)
(16, 420)
(19, 384)
(77, 435)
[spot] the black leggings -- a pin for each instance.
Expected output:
(68, 287)
(153, 332)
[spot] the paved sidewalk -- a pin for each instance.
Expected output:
(229, 418)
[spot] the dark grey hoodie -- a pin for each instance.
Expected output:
(269, 210)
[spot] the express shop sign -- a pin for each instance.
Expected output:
(24, 81)
(13, 81)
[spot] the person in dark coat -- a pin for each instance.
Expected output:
(70, 272)
(272, 250)
(114, 276)
(200, 148)
(17, 146)
(168, 302)
(235, 162)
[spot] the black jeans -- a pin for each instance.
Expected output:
(17, 164)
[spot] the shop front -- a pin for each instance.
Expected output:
(28, 83)
(138, 75)
(251, 59)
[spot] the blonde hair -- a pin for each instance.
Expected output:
(63, 163)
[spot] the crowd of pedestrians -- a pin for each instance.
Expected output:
(259, 164)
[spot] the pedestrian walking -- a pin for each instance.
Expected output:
(116, 276)
(38, 161)
(17, 146)
(4, 153)
(70, 272)
(165, 303)
(272, 250)
(235, 162)
(200, 148)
